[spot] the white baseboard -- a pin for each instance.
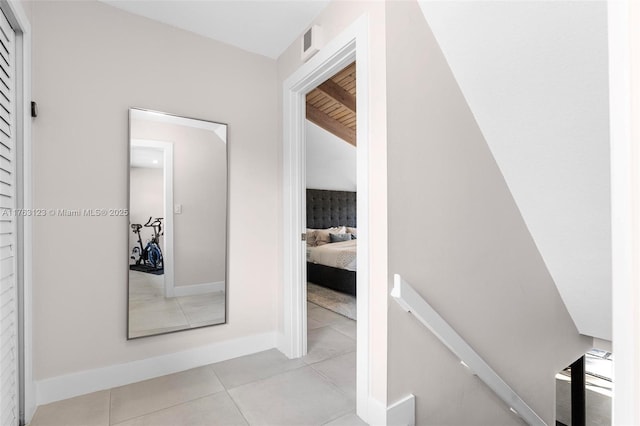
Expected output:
(281, 344)
(192, 290)
(376, 413)
(400, 413)
(83, 382)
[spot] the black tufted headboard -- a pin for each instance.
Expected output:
(330, 208)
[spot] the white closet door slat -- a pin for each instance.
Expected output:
(9, 395)
(6, 240)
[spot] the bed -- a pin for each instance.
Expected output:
(332, 265)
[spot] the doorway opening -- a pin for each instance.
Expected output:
(332, 58)
(331, 226)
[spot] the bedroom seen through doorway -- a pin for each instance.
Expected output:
(332, 231)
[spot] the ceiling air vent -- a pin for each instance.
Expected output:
(311, 42)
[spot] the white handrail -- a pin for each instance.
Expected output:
(412, 302)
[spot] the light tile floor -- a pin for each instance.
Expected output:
(260, 389)
(151, 313)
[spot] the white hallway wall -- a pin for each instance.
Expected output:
(91, 62)
(456, 235)
(339, 17)
(331, 161)
(535, 75)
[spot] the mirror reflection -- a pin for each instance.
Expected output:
(177, 223)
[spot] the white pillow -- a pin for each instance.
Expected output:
(311, 238)
(323, 237)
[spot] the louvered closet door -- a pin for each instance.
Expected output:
(8, 239)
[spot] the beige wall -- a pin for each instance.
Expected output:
(199, 186)
(92, 62)
(463, 244)
(337, 16)
(456, 234)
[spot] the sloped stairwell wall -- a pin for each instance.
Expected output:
(456, 234)
(535, 76)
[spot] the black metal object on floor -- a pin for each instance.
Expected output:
(147, 268)
(578, 393)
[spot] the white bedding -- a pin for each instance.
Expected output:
(340, 255)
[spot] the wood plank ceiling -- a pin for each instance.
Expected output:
(332, 105)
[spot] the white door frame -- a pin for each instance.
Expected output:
(351, 45)
(13, 10)
(624, 106)
(168, 259)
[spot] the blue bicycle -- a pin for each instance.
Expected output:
(151, 254)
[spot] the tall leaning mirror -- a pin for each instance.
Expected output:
(177, 228)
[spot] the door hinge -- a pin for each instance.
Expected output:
(304, 236)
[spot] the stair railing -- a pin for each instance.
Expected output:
(413, 303)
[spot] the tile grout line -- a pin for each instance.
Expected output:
(330, 358)
(184, 313)
(333, 312)
(238, 407)
(226, 390)
(154, 331)
(337, 389)
(303, 365)
(344, 334)
(338, 417)
(168, 407)
(324, 376)
(328, 379)
(332, 324)
(335, 355)
(308, 366)
(269, 377)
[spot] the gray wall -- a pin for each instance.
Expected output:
(456, 234)
(91, 62)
